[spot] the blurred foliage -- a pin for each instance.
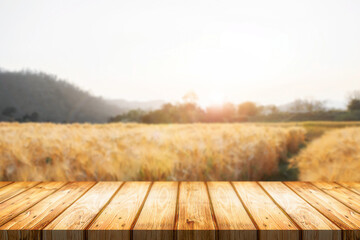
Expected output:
(190, 112)
(354, 105)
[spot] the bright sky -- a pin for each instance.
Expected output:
(224, 50)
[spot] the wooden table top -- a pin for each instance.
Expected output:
(179, 210)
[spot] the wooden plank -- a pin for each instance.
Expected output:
(71, 224)
(349, 198)
(21, 202)
(353, 186)
(232, 219)
(28, 224)
(14, 189)
(116, 219)
(313, 223)
(3, 184)
(269, 218)
(195, 220)
(157, 218)
(344, 217)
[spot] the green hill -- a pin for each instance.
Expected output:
(38, 96)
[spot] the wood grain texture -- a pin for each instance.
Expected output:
(314, 224)
(27, 224)
(186, 210)
(232, 219)
(269, 218)
(3, 184)
(343, 216)
(195, 220)
(71, 224)
(115, 221)
(11, 190)
(157, 218)
(21, 202)
(353, 186)
(344, 195)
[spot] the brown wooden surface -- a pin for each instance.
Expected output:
(13, 189)
(179, 210)
(16, 205)
(72, 223)
(268, 217)
(343, 216)
(314, 224)
(231, 217)
(3, 184)
(157, 218)
(195, 219)
(121, 212)
(353, 186)
(44, 212)
(344, 195)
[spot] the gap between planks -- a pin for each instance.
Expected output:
(139, 211)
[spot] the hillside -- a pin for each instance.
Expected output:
(46, 98)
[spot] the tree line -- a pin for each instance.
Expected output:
(9, 114)
(189, 111)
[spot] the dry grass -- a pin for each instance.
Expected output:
(333, 157)
(314, 129)
(143, 152)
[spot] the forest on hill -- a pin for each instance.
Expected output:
(39, 97)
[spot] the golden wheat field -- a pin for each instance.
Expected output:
(333, 157)
(143, 152)
(314, 129)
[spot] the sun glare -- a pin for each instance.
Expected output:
(215, 98)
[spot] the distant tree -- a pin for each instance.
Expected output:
(228, 112)
(273, 109)
(34, 117)
(189, 113)
(297, 106)
(269, 109)
(25, 118)
(248, 109)
(131, 116)
(9, 112)
(354, 101)
(354, 105)
(314, 106)
(214, 114)
(190, 97)
(353, 95)
(307, 105)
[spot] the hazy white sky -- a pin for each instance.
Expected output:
(259, 50)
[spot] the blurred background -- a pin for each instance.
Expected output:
(189, 90)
